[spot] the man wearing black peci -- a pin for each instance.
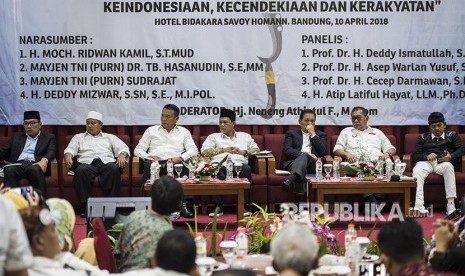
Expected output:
(30, 152)
(302, 148)
(436, 151)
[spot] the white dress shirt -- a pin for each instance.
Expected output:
(371, 140)
(104, 146)
(156, 141)
(15, 253)
(240, 140)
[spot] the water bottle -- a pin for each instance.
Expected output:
(388, 168)
(169, 167)
(242, 247)
(353, 256)
(154, 171)
(201, 245)
(350, 232)
(319, 170)
(229, 168)
(380, 166)
(336, 170)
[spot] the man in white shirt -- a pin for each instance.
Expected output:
(361, 142)
(229, 142)
(97, 154)
(15, 253)
(166, 141)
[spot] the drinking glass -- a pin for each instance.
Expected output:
(228, 250)
(363, 242)
(237, 168)
(400, 167)
(217, 169)
(328, 168)
(205, 265)
(178, 169)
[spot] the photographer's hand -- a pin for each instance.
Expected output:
(33, 198)
(3, 189)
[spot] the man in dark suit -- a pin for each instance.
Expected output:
(436, 151)
(302, 148)
(30, 152)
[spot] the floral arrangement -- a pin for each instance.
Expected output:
(369, 168)
(200, 165)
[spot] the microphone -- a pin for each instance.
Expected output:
(221, 176)
(395, 178)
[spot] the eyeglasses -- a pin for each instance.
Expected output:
(30, 123)
(357, 118)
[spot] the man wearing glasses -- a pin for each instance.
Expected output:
(29, 153)
(361, 142)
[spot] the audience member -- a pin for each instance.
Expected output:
(48, 258)
(97, 154)
(294, 250)
(232, 143)
(29, 152)
(447, 255)
(166, 141)
(402, 249)
(143, 229)
(65, 218)
(15, 254)
(302, 148)
(361, 143)
(436, 151)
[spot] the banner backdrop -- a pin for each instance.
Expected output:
(265, 59)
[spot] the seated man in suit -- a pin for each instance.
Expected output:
(165, 141)
(97, 154)
(229, 142)
(361, 142)
(31, 150)
(436, 151)
(302, 148)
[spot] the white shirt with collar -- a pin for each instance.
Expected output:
(371, 140)
(443, 136)
(88, 147)
(157, 141)
(43, 266)
(240, 140)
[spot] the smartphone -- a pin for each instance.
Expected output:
(24, 191)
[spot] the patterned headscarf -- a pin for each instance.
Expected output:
(65, 218)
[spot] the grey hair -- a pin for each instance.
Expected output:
(294, 247)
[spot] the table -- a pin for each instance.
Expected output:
(217, 187)
(361, 187)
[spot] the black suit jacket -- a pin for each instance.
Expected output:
(293, 145)
(46, 147)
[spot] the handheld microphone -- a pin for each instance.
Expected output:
(221, 176)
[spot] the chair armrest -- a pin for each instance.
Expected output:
(126, 168)
(407, 158)
(135, 165)
(271, 165)
(463, 163)
(258, 164)
(65, 169)
(54, 168)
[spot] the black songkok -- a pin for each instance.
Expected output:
(228, 113)
(28, 115)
